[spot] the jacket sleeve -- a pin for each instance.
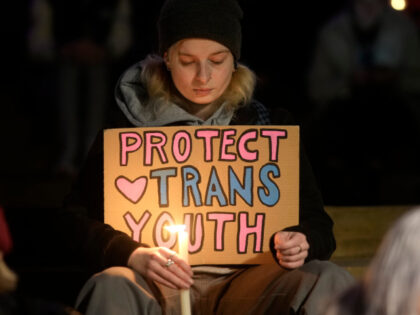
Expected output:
(314, 222)
(81, 219)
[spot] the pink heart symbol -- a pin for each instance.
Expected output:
(132, 190)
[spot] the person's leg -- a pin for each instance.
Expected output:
(119, 290)
(270, 289)
(208, 288)
(330, 280)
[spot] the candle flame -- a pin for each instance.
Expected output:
(176, 228)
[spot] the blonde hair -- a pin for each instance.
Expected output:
(161, 89)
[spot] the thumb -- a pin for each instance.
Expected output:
(280, 238)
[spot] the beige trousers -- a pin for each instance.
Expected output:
(264, 289)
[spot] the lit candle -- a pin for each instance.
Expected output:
(183, 253)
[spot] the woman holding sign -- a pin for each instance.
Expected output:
(197, 80)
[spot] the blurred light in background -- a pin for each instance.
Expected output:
(398, 4)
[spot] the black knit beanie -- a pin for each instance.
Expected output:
(218, 20)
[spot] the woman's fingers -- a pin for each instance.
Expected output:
(287, 240)
(291, 265)
(176, 276)
(155, 277)
(177, 272)
(182, 264)
(292, 258)
(292, 262)
(291, 249)
(295, 250)
(153, 263)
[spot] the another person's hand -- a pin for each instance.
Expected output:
(161, 265)
(291, 249)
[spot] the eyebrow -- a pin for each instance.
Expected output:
(181, 53)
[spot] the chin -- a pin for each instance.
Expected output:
(202, 100)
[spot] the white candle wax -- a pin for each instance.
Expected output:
(183, 245)
(183, 253)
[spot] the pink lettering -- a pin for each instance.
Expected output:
(274, 136)
(136, 227)
(125, 138)
(207, 135)
(164, 218)
(245, 230)
(226, 142)
(199, 232)
(181, 157)
(244, 153)
(151, 144)
(220, 218)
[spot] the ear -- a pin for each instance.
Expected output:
(166, 60)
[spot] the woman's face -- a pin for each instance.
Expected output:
(201, 69)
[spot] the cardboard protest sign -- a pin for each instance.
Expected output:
(233, 187)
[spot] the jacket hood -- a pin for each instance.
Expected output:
(132, 98)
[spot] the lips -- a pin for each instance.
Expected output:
(202, 92)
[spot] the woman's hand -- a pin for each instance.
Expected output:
(153, 263)
(291, 249)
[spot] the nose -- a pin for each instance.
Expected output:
(203, 74)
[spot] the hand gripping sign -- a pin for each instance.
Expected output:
(233, 187)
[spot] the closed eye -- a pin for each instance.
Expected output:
(186, 63)
(219, 57)
(217, 62)
(186, 60)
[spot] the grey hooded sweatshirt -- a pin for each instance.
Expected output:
(132, 98)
